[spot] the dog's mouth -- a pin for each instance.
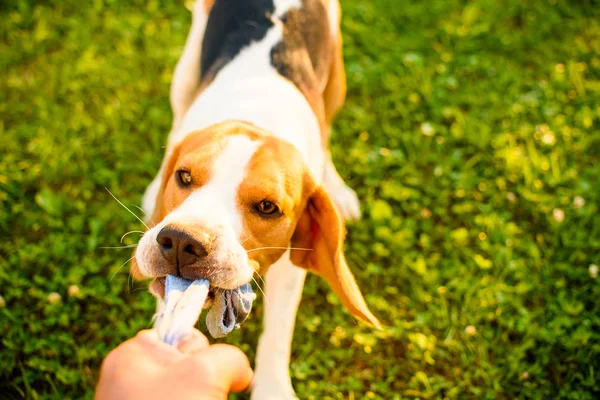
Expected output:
(227, 266)
(158, 286)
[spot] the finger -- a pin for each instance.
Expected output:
(147, 336)
(193, 342)
(148, 343)
(231, 365)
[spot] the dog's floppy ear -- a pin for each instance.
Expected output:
(321, 229)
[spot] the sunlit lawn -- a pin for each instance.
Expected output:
(471, 134)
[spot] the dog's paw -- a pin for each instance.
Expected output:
(261, 393)
(271, 388)
(346, 201)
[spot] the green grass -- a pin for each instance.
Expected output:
(471, 134)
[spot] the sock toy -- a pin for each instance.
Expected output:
(184, 301)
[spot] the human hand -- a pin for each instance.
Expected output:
(146, 368)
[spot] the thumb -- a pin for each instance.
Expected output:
(193, 342)
(231, 366)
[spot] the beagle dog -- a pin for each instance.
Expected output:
(247, 184)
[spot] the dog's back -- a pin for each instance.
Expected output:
(268, 62)
(302, 55)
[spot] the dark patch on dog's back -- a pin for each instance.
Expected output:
(306, 31)
(303, 56)
(233, 25)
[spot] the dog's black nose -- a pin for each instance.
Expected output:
(181, 246)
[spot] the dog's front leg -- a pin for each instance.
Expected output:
(342, 195)
(149, 198)
(284, 283)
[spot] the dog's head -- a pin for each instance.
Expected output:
(233, 199)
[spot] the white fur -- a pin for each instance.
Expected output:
(283, 6)
(283, 292)
(334, 17)
(343, 196)
(214, 206)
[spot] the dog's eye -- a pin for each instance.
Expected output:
(184, 177)
(267, 208)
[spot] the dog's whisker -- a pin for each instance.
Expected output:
(261, 278)
(248, 238)
(128, 281)
(119, 247)
(275, 247)
(142, 210)
(262, 291)
(128, 233)
(226, 281)
(124, 206)
(118, 269)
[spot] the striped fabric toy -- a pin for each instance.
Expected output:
(184, 301)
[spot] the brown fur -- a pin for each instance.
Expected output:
(334, 94)
(275, 174)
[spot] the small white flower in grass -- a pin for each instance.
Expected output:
(593, 271)
(74, 291)
(2, 302)
(427, 129)
(54, 298)
(578, 202)
(558, 214)
(548, 138)
(510, 196)
(525, 376)
(470, 330)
